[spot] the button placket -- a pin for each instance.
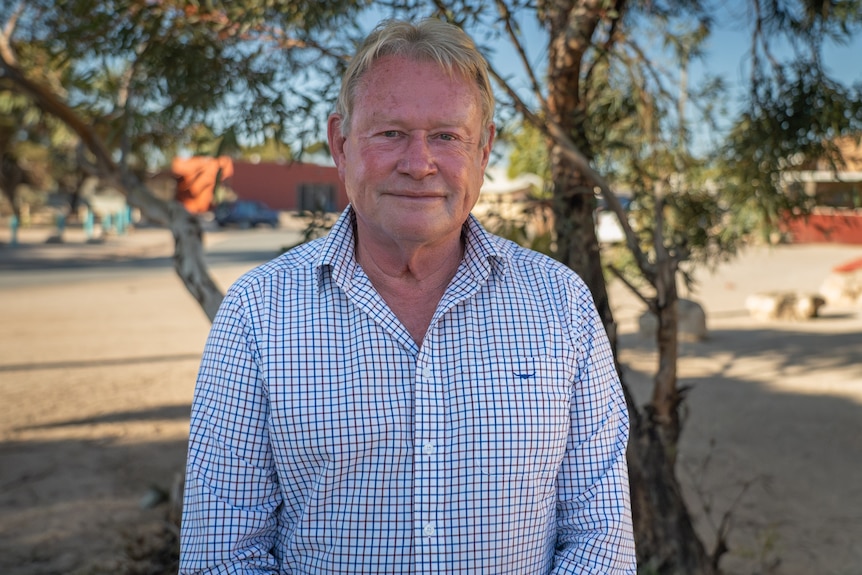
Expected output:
(428, 438)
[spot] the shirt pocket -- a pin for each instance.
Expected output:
(516, 414)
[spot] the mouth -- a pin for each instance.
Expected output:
(418, 196)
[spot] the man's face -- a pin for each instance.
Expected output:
(413, 163)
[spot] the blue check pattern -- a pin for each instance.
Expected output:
(325, 441)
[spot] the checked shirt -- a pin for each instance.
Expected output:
(324, 440)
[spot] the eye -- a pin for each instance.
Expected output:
(447, 137)
(390, 134)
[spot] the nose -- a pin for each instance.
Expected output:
(417, 160)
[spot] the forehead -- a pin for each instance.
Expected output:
(399, 84)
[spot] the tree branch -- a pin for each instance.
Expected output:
(619, 274)
(519, 48)
(609, 42)
(9, 28)
(189, 261)
(48, 102)
(553, 131)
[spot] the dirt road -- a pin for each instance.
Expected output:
(96, 379)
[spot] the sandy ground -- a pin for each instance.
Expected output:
(96, 380)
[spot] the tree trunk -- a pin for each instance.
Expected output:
(11, 176)
(189, 261)
(664, 406)
(577, 244)
(664, 534)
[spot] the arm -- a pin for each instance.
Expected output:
(231, 491)
(594, 526)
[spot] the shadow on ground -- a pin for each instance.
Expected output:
(44, 521)
(771, 442)
(760, 444)
(85, 363)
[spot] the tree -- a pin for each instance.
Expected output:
(35, 149)
(135, 81)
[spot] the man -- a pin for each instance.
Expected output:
(409, 394)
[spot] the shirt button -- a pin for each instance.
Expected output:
(429, 449)
(425, 372)
(429, 529)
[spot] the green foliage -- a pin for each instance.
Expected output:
(786, 127)
(152, 75)
(529, 153)
(270, 150)
(38, 145)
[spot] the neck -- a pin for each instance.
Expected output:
(426, 266)
(403, 262)
(410, 279)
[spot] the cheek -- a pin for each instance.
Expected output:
(473, 175)
(354, 168)
(365, 163)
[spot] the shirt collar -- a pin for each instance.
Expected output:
(483, 251)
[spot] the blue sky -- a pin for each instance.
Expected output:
(726, 55)
(728, 48)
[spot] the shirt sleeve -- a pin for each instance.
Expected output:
(231, 494)
(594, 524)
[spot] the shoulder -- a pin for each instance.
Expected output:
(510, 257)
(299, 271)
(289, 269)
(549, 284)
(526, 262)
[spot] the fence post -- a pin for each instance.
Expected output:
(13, 227)
(89, 225)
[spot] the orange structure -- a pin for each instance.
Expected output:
(196, 180)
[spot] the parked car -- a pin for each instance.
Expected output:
(245, 214)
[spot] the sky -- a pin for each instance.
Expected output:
(725, 55)
(726, 49)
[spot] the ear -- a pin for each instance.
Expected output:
(336, 142)
(486, 149)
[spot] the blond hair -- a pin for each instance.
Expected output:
(427, 40)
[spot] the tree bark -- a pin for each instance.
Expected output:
(664, 534)
(189, 261)
(664, 407)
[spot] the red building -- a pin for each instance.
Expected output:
(290, 186)
(837, 217)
